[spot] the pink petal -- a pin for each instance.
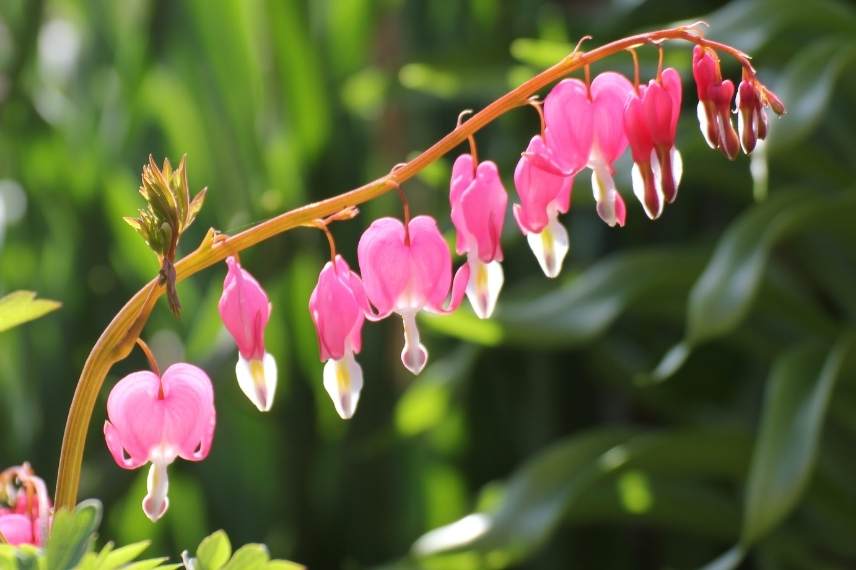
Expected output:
(609, 93)
(539, 187)
(17, 529)
(430, 265)
(636, 127)
(134, 423)
(672, 83)
(337, 310)
(384, 263)
(189, 415)
(463, 171)
(245, 309)
(657, 104)
(569, 116)
(705, 70)
(482, 207)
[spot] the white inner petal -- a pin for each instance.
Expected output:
(485, 283)
(677, 168)
(603, 189)
(550, 246)
(414, 355)
(156, 501)
(702, 122)
(343, 380)
(257, 380)
(657, 174)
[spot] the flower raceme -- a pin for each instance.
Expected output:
(245, 309)
(544, 190)
(479, 200)
(155, 419)
(406, 269)
(338, 306)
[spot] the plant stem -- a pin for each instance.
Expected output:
(117, 340)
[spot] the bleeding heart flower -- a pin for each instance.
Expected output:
(545, 192)
(585, 127)
(26, 517)
(714, 102)
(752, 117)
(245, 310)
(408, 271)
(338, 306)
(651, 121)
(153, 419)
(478, 201)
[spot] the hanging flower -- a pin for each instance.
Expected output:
(585, 127)
(651, 121)
(154, 419)
(714, 102)
(25, 518)
(245, 310)
(545, 192)
(478, 201)
(338, 306)
(408, 269)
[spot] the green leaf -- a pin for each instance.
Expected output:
(552, 484)
(723, 295)
(582, 310)
(124, 555)
(284, 565)
(20, 307)
(71, 535)
(795, 405)
(249, 557)
(214, 551)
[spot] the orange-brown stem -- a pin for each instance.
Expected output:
(115, 342)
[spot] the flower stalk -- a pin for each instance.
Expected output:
(119, 338)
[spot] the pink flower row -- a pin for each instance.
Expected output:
(406, 267)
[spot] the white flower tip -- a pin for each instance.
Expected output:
(486, 280)
(257, 380)
(156, 501)
(343, 380)
(550, 247)
(414, 357)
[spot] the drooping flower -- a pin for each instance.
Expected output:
(245, 310)
(585, 127)
(338, 306)
(26, 517)
(751, 116)
(545, 192)
(651, 121)
(478, 201)
(714, 102)
(152, 419)
(408, 270)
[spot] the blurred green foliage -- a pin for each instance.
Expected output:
(685, 389)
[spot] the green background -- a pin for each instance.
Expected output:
(559, 418)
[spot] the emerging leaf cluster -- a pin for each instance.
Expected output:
(169, 209)
(71, 546)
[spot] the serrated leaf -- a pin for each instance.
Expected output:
(20, 307)
(249, 557)
(214, 551)
(71, 535)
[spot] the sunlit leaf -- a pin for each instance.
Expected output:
(71, 535)
(20, 307)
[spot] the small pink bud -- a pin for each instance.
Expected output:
(478, 201)
(545, 192)
(714, 103)
(337, 306)
(751, 115)
(245, 310)
(153, 419)
(406, 278)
